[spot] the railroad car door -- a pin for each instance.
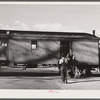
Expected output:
(64, 47)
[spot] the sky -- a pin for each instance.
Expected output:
(50, 17)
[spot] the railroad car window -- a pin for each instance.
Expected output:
(34, 45)
(4, 44)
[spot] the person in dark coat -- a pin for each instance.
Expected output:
(71, 59)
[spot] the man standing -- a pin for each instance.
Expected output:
(60, 63)
(64, 70)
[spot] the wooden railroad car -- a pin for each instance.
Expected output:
(37, 47)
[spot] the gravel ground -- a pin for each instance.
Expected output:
(44, 78)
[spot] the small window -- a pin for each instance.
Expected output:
(34, 45)
(4, 44)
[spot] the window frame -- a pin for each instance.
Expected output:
(35, 43)
(3, 43)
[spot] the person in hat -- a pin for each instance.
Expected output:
(63, 63)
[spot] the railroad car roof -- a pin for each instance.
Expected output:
(45, 35)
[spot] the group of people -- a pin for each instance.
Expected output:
(65, 63)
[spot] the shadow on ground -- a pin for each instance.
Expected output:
(19, 71)
(90, 78)
(95, 75)
(84, 81)
(27, 74)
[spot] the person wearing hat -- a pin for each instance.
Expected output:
(63, 69)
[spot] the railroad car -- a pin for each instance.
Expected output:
(39, 47)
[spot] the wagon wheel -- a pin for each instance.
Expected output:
(77, 73)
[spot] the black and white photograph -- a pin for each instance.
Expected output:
(49, 46)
